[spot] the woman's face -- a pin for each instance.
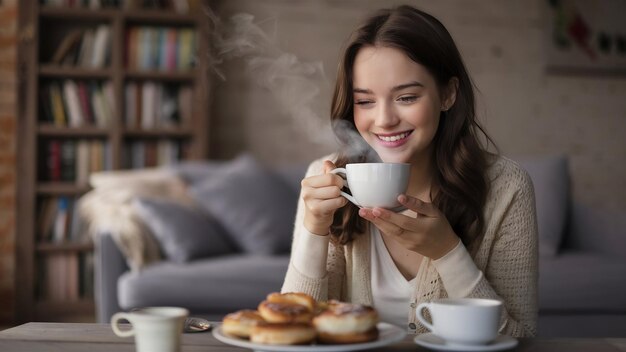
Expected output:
(396, 104)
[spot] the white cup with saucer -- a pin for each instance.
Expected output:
(463, 324)
(375, 184)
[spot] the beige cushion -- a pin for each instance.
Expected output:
(108, 208)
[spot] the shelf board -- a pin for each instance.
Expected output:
(56, 71)
(159, 17)
(158, 132)
(186, 76)
(61, 188)
(87, 131)
(64, 13)
(65, 247)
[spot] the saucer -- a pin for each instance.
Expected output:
(434, 342)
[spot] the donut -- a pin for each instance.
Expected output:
(294, 298)
(277, 312)
(343, 323)
(240, 323)
(283, 333)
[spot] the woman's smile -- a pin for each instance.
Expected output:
(393, 140)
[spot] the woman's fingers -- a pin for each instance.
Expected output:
(323, 181)
(321, 193)
(328, 165)
(418, 206)
(383, 224)
(326, 206)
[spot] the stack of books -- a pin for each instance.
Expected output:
(160, 48)
(77, 103)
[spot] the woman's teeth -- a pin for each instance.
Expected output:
(394, 137)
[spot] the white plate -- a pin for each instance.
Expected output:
(432, 341)
(388, 334)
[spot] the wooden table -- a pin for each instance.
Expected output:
(68, 337)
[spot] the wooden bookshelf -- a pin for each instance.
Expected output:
(43, 29)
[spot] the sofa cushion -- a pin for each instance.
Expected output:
(196, 171)
(582, 282)
(255, 206)
(597, 229)
(205, 285)
(183, 232)
(551, 183)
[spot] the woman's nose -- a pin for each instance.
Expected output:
(386, 116)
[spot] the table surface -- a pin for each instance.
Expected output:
(68, 337)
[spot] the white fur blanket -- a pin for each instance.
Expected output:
(108, 208)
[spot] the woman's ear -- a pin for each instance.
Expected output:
(449, 96)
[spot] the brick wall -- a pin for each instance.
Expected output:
(8, 88)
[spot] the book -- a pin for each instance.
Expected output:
(61, 220)
(69, 42)
(101, 46)
(45, 105)
(86, 49)
(148, 108)
(109, 99)
(53, 161)
(82, 162)
(58, 109)
(45, 220)
(130, 109)
(96, 158)
(171, 49)
(68, 161)
(99, 105)
(72, 101)
(186, 44)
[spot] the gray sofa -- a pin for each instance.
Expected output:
(582, 288)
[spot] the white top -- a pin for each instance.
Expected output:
(391, 292)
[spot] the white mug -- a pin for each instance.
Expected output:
(375, 184)
(156, 329)
(462, 321)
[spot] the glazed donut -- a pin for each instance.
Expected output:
(344, 323)
(283, 333)
(276, 312)
(293, 297)
(240, 323)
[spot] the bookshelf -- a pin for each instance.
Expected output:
(141, 99)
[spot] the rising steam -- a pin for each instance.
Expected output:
(295, 85)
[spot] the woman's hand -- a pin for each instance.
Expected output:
(322, 198)
(429, 234)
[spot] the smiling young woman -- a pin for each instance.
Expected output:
(470, 225)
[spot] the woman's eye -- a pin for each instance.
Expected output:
(363, 102)
(407, 99)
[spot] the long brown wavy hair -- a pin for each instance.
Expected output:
(460, 156)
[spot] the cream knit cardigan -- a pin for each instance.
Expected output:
(507, 257)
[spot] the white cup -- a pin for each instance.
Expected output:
(375, 184)
(462, 321)
(156, 329)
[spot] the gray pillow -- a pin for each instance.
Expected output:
(252, 203)
(552, 186)
(195, 171)
(183, 233)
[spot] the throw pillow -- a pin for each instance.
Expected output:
(183, 233)
(551, 182)
(252, 203)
